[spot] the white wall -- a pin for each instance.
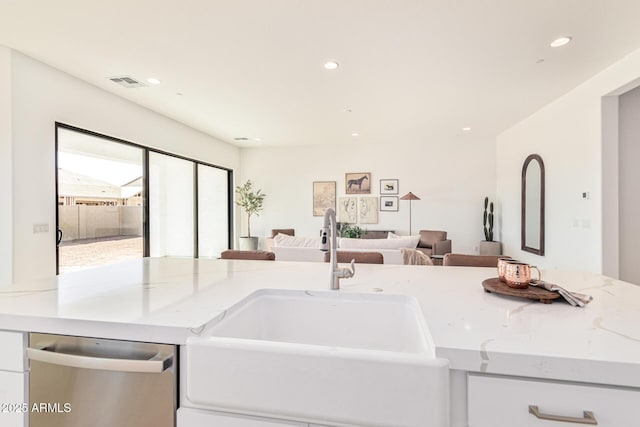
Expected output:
(568, 135)
(629, 178)
(451, 177)
(6, 168)
(43, 95)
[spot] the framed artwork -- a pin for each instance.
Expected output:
(389, 203)
(347, 210)
(368, 210)
(324, 196)
(388, 186)
(358, 183)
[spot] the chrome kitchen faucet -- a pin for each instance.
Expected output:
(336, 273)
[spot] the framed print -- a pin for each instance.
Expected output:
(368, 210)
(389, 203)
(388, 186)
(324, 196)
(358, 183)
(347, 210)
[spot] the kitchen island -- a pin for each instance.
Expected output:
(491, 342)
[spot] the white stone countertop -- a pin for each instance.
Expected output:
(170, 299)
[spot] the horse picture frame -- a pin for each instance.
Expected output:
(358, 183)
(388, 186)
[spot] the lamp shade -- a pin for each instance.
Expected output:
(409, 196)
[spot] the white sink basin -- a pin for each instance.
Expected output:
(327, 357)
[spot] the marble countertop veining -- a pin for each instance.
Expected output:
(170, 299)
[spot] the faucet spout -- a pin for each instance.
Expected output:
(330, 225)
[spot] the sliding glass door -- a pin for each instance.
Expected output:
(142, 201)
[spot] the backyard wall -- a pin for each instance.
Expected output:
(42, 96)
(90, 222)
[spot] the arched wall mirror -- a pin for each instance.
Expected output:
(533, 205)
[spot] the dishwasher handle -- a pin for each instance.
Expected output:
(156, 364)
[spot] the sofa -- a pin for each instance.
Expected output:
(434, 242)
(393, 249)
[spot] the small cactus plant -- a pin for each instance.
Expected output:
(488, 218)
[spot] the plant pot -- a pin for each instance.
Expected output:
(248, 243)
(490, 248)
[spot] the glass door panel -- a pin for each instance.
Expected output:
(213, 211)
(100, 201)
(171, 206)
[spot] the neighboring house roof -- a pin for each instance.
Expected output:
(78, 185)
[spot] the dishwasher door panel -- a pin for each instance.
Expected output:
(98, 396)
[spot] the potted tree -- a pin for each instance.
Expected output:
(251, 203)
(489, 246)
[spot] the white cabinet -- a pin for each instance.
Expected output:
(506, 401)
(188, 417)
(12, 351)
(13, 402)
(14, 380)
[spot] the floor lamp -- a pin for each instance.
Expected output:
(409, 196)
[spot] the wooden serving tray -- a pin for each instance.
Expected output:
(495, 285)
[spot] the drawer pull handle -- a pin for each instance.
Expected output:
(588, 417)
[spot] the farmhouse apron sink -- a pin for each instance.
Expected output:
(318, 356)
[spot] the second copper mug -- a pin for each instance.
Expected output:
(502, 267)
(518, 274)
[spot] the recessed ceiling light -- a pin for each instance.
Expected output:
(257, 139)
(355, 134)
(153, 81)
(466, 129)
(331, 65)
(560, 41)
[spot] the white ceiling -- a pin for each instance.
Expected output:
(410, 70)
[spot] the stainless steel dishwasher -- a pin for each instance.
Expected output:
(79, 382)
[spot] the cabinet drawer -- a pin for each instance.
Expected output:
(188, 417)
(12, 351)
(13, 387)
(505, 401)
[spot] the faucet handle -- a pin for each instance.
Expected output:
(351, 271)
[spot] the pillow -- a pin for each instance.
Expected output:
(347, 243)
(413, 239)
(283, 240)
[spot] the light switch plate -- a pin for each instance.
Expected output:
(40, 228)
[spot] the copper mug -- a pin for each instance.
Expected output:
(518, 274)
(502, 267)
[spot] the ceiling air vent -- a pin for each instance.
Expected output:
(127, 82)
(241, 139)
